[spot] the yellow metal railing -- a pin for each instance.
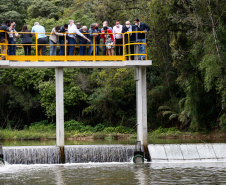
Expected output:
(38, 57)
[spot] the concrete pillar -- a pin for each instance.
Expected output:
(59, 106)
(141, 96)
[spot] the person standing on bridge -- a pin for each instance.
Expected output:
(5, 27)
(82, 41)
(12, 40)
(41, 37)
(53, 39)
(105, 23)
(108, 40)
(117, 29)
(63, 29)
(26, 39)
(93, 33)
(128, 38)
(72, 29)
(140, 37)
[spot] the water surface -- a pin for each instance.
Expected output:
(115, 173)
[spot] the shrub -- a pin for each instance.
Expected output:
(99, 127)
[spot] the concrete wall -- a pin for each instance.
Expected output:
(187, 152)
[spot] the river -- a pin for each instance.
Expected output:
(115, 173)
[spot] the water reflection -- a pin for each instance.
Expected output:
(60, 177)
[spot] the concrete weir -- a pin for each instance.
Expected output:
(187, 152)
(72, 154)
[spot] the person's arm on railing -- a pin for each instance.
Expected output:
(80, 34)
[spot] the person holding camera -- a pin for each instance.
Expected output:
(12, 40)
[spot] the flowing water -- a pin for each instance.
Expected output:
(115, 173)
(96, 163)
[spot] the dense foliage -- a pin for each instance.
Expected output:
(186, 85)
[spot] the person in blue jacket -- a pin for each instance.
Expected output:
(140, 37)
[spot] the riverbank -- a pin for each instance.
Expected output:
(27, 134)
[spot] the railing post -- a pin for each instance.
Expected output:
(123, 47)
(146, 56)
(6, 46)
(65, 47)
(36, 46)
(94, 49)
(129, 46)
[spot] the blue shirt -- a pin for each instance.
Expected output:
(39, 29)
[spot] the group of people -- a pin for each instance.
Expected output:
(112, 38)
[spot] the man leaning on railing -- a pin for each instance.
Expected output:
(5, 27)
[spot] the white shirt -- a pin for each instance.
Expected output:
(13, 35)
(73, 29)
(117, 30)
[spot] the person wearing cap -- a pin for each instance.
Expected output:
(41, 37)
(72, 30)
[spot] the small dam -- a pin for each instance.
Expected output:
(114, 153)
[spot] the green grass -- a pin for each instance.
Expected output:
(73, 129)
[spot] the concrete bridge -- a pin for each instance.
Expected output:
(141, 93)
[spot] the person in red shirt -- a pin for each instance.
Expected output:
(108, 41)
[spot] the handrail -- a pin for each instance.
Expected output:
(66, 57)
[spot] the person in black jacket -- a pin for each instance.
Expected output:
(83, 41)
(63, 29)
(26, 39)
(140, 37)
(98, 38)
(5, 27)
(128, 38)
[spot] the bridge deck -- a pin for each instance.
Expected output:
(75, 64)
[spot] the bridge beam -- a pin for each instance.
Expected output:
(59, 106)
(141, 99)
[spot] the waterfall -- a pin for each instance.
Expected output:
(187, 152)
(31, 154)
(73, 154)
(98, 153)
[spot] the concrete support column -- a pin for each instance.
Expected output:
(59, 106)
(141, 96)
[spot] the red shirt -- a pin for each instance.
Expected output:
(111, 35)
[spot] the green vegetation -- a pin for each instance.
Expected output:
(73, 129)
(186, 85)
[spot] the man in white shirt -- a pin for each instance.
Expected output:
(72, 30)
(118, 38)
